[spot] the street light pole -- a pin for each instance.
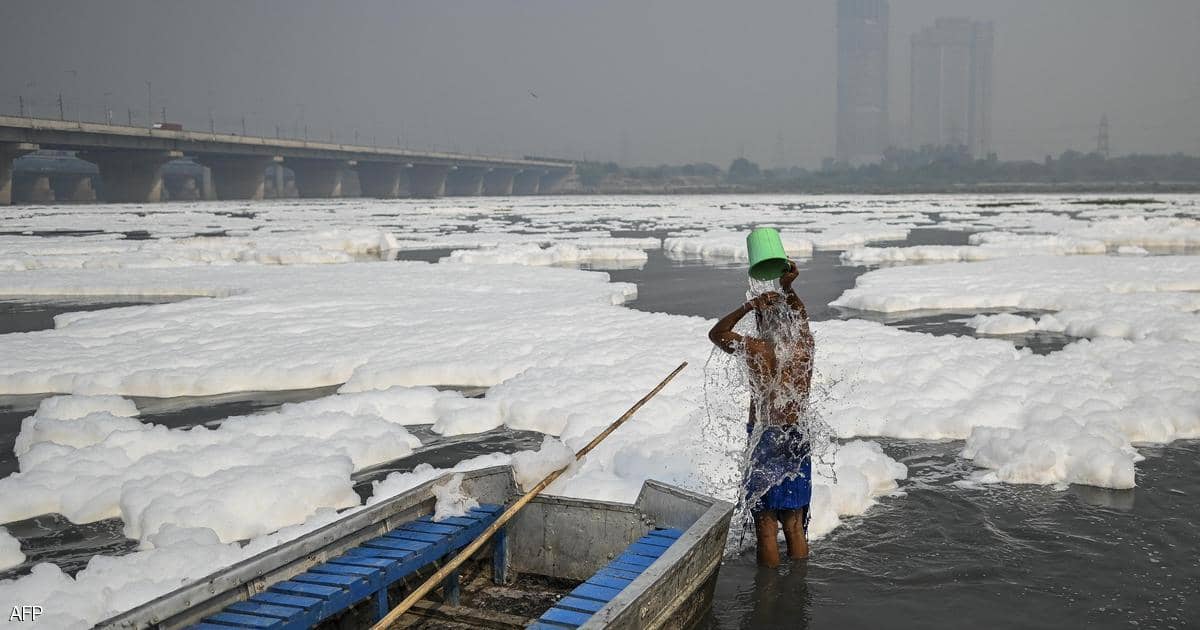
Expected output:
(78, 101)
(28, 86)
(149, 106)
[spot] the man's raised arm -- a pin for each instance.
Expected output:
(722, 334)
(793, 300)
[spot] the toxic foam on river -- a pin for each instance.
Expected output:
(560, 357)
(560, 354)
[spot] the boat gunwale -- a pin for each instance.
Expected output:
(711, 528)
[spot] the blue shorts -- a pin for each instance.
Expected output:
(780, 471)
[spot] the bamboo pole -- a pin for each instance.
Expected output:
(470, 549)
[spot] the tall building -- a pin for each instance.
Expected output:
(862, 86)
(951, 86)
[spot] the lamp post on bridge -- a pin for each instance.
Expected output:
(29, 85)
(212, 123)
(149, 106)
(78, 101)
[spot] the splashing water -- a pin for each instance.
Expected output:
(779, 391)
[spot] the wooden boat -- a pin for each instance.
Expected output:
(561, 563)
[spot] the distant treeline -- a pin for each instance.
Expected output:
(903, 170)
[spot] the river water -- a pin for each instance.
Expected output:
(936, 554)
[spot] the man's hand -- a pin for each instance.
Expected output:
(789, 276)
(766, 300)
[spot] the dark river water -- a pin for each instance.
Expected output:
(940, 555)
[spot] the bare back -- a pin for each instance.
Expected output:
(780, 378)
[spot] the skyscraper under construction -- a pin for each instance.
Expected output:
(862, 86)
(952, 86)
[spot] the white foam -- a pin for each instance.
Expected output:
(325, 247)
(10, 550)
(1069, 417)
(250, 476)
(530, 467)
(451, 500)
(1002, 324)
(860, 472)
(561, 254)
(986, 246)
(1143, 231)
(727, 246)
(1094, 454)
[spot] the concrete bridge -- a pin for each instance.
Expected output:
(130, 161)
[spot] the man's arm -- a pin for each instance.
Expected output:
(793, 300)
(722, 333)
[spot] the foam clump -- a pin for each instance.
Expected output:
(451, 500)
(1002, 324)
(1094, 454)
(845, 237)
(567, 254)
(466, 415)
(280, 248)
(860, 472)
(1142, 231)
(1045, 283)
(368, 325)
(984, 246)
(727, 246)
(247, 477)
(400, 482)
(530, 467)
(58, 420)
(10, 550)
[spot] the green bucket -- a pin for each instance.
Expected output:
(768, 261)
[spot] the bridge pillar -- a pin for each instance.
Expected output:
(277, 174)
(238, 176)
(465, 181)
(498, 182)
(318, 179)
(130, 176)
(32, 188)
(183, 187)
(381, 180)
(77, 188)
(551, 180)
(10, 151)
(526, 182)
(427, 180)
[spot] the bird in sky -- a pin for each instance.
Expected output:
(533, 94)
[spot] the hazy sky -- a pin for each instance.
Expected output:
(679, 80)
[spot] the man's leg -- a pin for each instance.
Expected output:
(766, 530)
(793, 532)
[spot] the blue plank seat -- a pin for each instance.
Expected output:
(579, 605)
(363, 572)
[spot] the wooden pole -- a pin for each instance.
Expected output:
(470, 549)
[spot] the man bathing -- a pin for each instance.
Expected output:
(780, 362)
